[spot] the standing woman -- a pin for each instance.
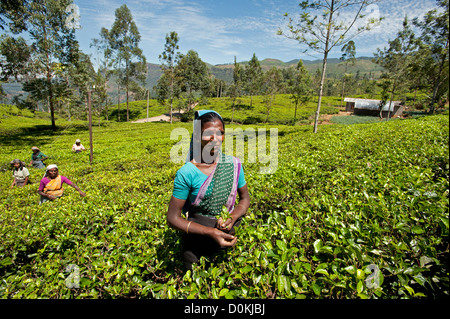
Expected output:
(50, 186)
(38, 158)
(20, 173)
(207, 181)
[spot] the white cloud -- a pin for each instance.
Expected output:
(250, 28)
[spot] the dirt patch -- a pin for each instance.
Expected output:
(160, 118)
(325, 119)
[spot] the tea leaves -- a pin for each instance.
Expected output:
(356, 211)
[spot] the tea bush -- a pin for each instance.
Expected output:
(343, 202)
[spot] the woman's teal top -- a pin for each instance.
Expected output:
(189, 179)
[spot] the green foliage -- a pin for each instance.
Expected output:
(343, 200)
(131, 65)
(281, 112)
(355, 119)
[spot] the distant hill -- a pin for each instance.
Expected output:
(335, 69)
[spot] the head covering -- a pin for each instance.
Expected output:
(35, 148)
(197, 131)
(49, 168)
(78, 141)
(18, 161)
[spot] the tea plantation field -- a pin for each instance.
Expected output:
(353, 211)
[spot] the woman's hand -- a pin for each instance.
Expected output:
(175, 220)
(223, 239)
(225, 225)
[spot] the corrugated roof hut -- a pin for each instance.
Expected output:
(372, 107)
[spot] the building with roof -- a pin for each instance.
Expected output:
(372, 107)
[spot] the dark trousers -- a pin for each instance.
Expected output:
(196, 246)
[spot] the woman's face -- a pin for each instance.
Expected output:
(16, 165)
(35, 151)
(213, 134)
(52, 173)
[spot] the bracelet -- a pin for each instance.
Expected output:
(187, 228)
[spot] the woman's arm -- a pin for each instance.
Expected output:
(239, 211)
(78, 189)
(175, 220)
(46, 195)
(26, 181)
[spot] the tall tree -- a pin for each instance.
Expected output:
(271, 85)
(253, 77)
(169, 59)
(397, 59)
(347, 58)
(321, 29)
(385, 84)
(13, 15)
(299, 85)
(434, 49)
(125, 38)
(52, 41)
(16, 62)
(104, 59)
(236, 87)
(193, 74)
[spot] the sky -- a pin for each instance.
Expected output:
(219, 30)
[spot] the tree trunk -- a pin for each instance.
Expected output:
(171, 92)
(322, 80)
(118, 102)
(148, 93)
(128, 115)
(343, 85)
(324, 68)
(91, 158)
(437, 82)
(391, 100)
(126, 70)
(232, 112)
(295, 112)
(49, 85)
(68, 111)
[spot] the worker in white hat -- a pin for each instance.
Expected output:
(78, 147)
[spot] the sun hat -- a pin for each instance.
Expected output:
(78, 141)
(51, 166)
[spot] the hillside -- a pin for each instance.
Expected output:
(335, 69)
